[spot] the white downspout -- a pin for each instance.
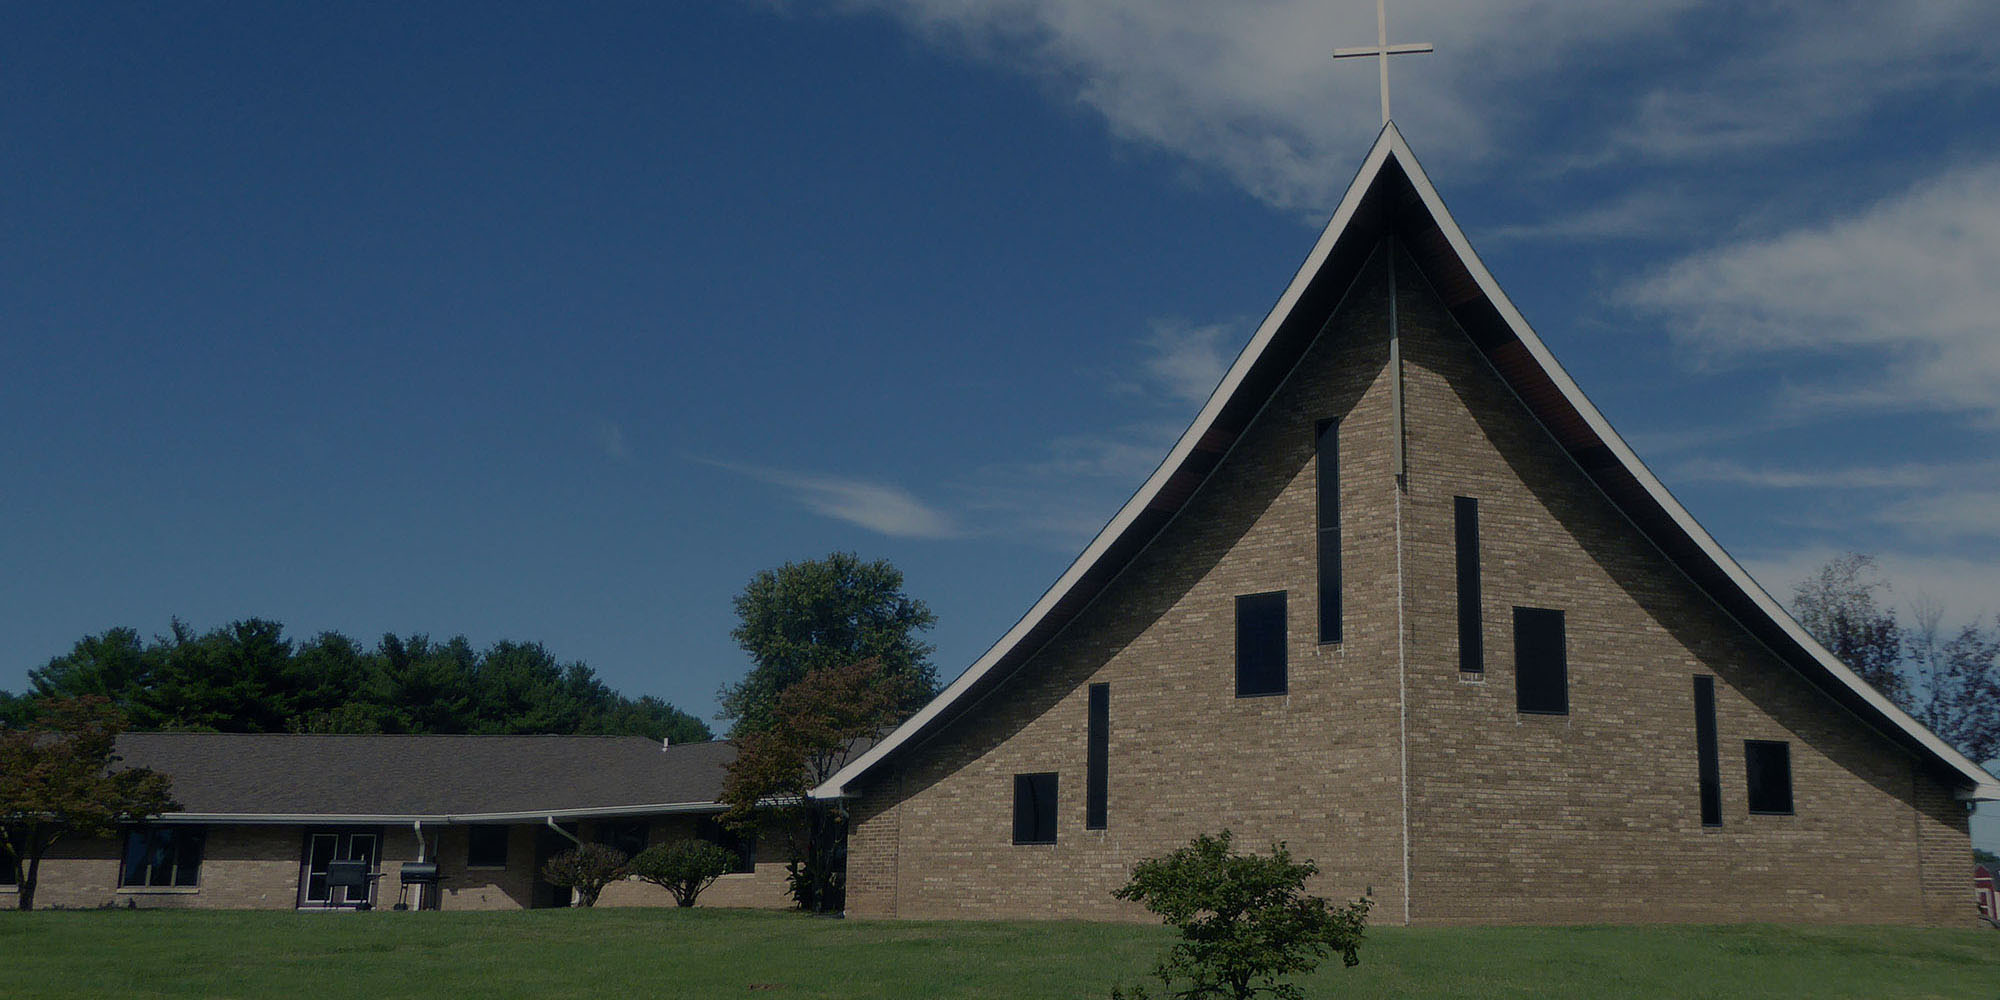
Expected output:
(417, 825)
(551, 821)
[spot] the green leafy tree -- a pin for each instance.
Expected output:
(16, 710)
(247, 677)
(817, 723)
(684, 867)
(112, 664)
(586, 869)
(1245, 920)
(58, 778)
(1981, 856)
(822, 613)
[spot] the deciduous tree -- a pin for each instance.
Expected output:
(59, 778)
(821, 613)
(1838, 605)
(817, 723)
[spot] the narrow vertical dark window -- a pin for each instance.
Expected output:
(1260, 644)
(1035, 808)
(1541, 662)
(1327, 450)
(1769, 763)
(1709, 764)
(1471, 641)
(1097, 776)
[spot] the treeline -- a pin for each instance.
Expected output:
(246, 677)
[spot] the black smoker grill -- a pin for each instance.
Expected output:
(420, 874)
(355, 877)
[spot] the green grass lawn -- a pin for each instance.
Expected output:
(728, 953)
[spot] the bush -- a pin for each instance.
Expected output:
(1245, 920)
(684, 867)
(587, 869)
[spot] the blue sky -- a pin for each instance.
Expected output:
(552, 323)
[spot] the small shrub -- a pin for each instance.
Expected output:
(684, 867)
(1245, 920)
(587, 870)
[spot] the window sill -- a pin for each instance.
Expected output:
(1542, 712)
(486, 868)
(1768, 812)
(158, 890)
(1261, 694)
(1472, 677)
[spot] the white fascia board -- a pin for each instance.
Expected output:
(1983, 785)
(530, 816)
(836, 786)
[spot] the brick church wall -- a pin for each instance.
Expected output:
(1316, 766)
(1589, 816)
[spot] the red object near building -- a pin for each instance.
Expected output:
(1982, 886)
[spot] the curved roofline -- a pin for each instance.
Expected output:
(1978, 783)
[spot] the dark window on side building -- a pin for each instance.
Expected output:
(486, 846)
(1097, 777)
(1541, 662)
(1708, 763)
(1035, 808)
(1769, 763)
(627, 835)
(1260, 644)
(160, 856)
(742, 847)
(1471, 641)
(1327, 452)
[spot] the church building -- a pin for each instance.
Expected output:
(1402, 599)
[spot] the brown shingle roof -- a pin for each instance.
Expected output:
(283, 774)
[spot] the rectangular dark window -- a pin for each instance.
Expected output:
(627, 835)
(1260, 644)
(1097, 776)
(1327, 450)
(1035, 808)
(742, 847)
(1471, 641)
(162, 856)
(1769, 763)
(1541, 663)
(486, 846)
(1706, 755)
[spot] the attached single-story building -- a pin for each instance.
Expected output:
(263, 815)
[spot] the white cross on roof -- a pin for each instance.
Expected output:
(1382, 50)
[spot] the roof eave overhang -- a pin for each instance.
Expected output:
(1390, 192)
(363, 819)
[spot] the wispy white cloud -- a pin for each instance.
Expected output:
(1715, 470)
(880, 507)
(1907, 285)
(1790, 71)
(1638, 215)
(1187, 361)
(1251, 91)
(610, 440)
(1968, 588)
